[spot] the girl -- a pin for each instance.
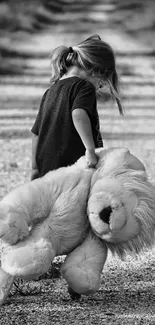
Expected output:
(67, 124)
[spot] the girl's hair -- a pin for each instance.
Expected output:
(92, 55)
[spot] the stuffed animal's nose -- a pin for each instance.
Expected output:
(105, 214)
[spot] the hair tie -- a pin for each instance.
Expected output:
(70, 54)
(70, 49)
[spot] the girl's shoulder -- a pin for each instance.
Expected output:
(73, 80)
(71, 86)
(84, 85)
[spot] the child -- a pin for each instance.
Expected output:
(67, 124)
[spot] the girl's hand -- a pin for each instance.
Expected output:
(91, 158)
(34, 174)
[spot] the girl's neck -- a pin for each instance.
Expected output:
(81, 73)
(75, 72)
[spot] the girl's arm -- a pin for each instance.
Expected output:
(82, 124)
(34, 173)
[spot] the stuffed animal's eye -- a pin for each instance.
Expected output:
(105, 214)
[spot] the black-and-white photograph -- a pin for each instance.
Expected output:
(77, 162)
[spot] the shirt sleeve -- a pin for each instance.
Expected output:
(85, 98)
(36, 125)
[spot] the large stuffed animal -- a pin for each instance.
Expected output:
(78, 212)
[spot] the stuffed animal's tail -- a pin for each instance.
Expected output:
(14, 224)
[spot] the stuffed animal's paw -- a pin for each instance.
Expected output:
(13, 227)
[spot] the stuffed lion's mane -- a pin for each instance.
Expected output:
(144, 213)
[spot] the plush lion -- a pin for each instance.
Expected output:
(78, 212)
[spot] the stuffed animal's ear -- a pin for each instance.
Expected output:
(116, 159)
(110, 157)
(132, 162)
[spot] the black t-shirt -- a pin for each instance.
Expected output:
(59, 144)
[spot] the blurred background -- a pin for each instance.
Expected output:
(30, 29)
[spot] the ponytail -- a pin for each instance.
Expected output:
(61, 59)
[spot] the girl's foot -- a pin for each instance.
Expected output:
(74, 295)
